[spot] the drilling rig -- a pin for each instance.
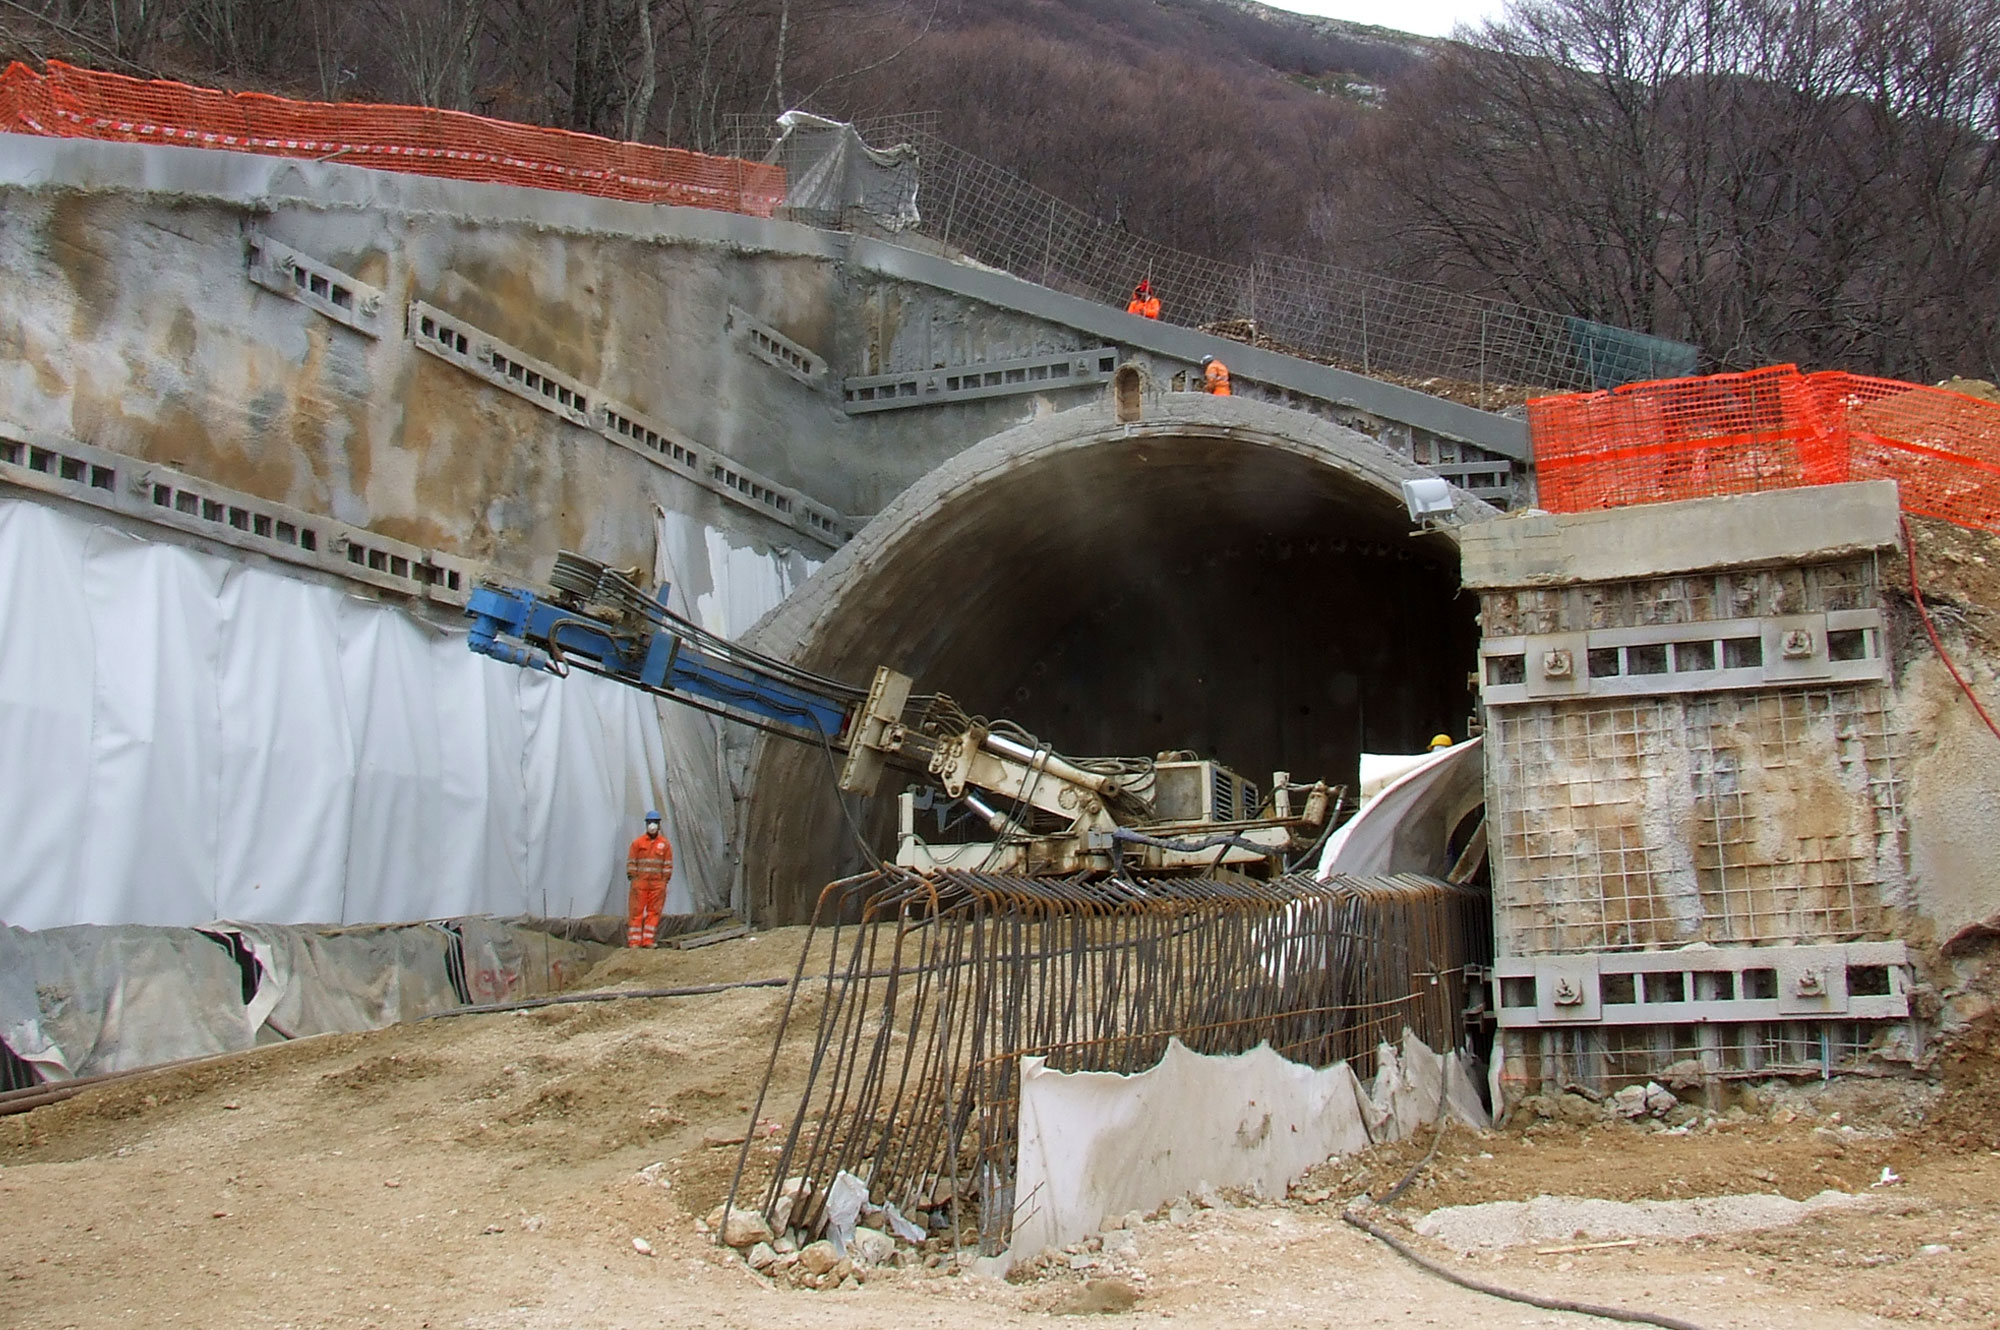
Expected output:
(1037, 813)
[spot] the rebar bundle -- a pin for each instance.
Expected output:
(938, 985)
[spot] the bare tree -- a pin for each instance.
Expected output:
(1804, 180)
(432, 46)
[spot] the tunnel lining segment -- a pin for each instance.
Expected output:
(935, 585)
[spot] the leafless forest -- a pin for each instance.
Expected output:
(1809, 180)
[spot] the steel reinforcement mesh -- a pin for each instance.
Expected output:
(1727, 818)
(1604, 1058)
(66, 102)
(1765, 429)
(936, 986)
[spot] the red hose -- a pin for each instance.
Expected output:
(1910, 545)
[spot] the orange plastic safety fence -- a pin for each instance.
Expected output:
(1771, 428)
(1940, 447)
(1677, 438)
(75, 103)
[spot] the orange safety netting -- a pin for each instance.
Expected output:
(67, 102)
(1767, 429)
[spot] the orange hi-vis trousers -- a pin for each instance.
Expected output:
(648, 864)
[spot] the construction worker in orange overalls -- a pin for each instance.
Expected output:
(1214, 377)
(1144, 303)
(648, 866)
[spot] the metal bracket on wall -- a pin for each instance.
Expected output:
(777, 350)
(486, 357)
(320, 287)
(1840, 646)
(990, 378)
(1704, 985)
(165, 497)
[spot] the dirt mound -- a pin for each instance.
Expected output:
(1958, 569)
(1967, 1117)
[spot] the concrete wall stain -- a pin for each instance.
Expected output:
(73, 236)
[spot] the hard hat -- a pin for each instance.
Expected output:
(1440, 741)
(1144, 285)
(1206, 361)
(652, 815)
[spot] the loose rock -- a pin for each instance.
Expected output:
(1575, 1108)
(745, 1228)
(870, 1246)
(1649, 1100)
(818, 1257)
(762, 1256)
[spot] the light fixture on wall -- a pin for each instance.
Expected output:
(1429, 500)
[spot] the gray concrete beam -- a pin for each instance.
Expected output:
(248, 180)
(1660, 539)
(1446, 419)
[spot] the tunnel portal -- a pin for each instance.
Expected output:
(1225, 576)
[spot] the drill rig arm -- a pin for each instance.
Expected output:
(1104, 814)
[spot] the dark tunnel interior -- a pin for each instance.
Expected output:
(1251, 603)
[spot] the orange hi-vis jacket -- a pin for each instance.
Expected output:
(1215, 379)
(649, 863)
(650, 857)
(1146, 308)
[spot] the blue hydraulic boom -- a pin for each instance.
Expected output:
(601, 621)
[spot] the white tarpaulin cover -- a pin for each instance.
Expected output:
(87, 999)
(104, 999)
(1097, 1144)
(725, 588)
(1406, 826)
(829, 170)
(184, 738)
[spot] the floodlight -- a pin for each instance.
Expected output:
(1429, 499)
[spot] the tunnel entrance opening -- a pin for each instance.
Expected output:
(1163, 589)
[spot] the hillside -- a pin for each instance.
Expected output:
(1768, 190)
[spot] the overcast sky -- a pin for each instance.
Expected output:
(1434, 18)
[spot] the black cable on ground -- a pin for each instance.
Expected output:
(1351, 1216)
(604, 995)
(1465, 1281)
(1452, 1276)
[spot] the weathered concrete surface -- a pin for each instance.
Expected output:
(1954, 791)
(1223, 575)
(129, 322)
(1659, 539)
(1245, 584)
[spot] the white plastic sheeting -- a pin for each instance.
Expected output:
(1097, 1144)
(1406, 826)
(725, 588)
(829, 171)
(108, 999)
(183, 738)
(83, 1000)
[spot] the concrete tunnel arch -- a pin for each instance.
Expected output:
(1221, 574)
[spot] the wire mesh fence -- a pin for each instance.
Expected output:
(938, 985)
(1355, 320)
